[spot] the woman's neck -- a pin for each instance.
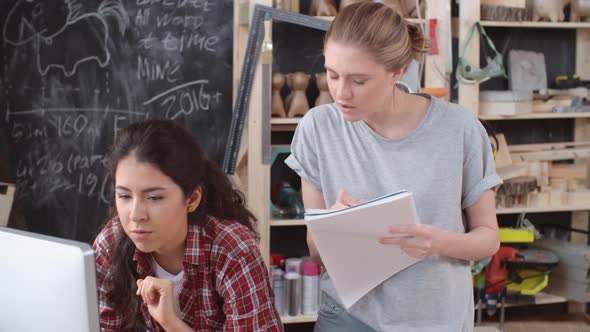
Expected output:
(399, 117)
(170, 259)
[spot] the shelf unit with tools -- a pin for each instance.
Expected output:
(574, 125)
(468, 92)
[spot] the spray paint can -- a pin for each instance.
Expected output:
(278, 286)
(293, 293)
(293, 264)
(310, 288)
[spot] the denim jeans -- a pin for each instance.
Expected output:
(334, 318)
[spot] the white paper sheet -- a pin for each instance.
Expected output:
(348, 243)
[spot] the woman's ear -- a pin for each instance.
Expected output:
(194, 199)
(397, 75)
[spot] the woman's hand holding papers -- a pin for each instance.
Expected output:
(418, 241)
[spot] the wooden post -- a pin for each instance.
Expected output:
(469, 13)
(258, 193)
(6, 198)
(241, 23)
(582, 128)
(436, 69)
(581, 219)
(582, 53)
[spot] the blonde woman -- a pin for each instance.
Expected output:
(376, 139)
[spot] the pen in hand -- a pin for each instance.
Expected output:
(345, 200)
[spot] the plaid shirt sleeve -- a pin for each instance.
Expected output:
(109, 320)
(244, 284)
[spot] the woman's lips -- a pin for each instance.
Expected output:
(140, 235)
(345, 107)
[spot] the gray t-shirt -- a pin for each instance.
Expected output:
(446, 163)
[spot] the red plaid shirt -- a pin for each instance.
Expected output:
(226, 284)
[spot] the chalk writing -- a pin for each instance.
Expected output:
(28, 131)
(147, 70)
(204, 5)
(170, 42)
(49, 174)
(186, 21)
(193, 40)
(186, 99)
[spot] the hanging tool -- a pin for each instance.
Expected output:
(494, 67)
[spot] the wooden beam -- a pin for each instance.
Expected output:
(503, 157)
(258, 172)
(546, 146)
(562, 154)
(469, 13)
(512, 171)
(582, 54)
(568, 171)
(6, 198)
(436, 70)
(505, 3)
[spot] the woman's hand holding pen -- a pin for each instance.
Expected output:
(417, 240)
(158, 295)
(345, 200)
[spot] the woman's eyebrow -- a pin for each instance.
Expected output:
(360, 75)
(147, 190)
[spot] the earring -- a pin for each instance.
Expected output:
(191, 209)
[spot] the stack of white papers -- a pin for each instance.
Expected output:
(348, 243)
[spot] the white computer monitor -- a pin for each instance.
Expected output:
(46, 284)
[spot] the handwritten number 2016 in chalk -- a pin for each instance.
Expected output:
(185, 99)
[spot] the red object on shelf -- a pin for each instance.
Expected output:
(432, 36)
(278, 260)
(310, 268)
(497, 272)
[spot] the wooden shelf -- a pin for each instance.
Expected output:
(284, 121)
(549, 25)
(540, 298)
(529, 116)
(299, 319)
(565, 208)
(284, 124)
(287, 222)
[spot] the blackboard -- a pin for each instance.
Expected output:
(74, 72)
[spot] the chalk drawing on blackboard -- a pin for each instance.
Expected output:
(185, 99)
(30, 18)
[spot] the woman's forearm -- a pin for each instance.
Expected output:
(478, 243)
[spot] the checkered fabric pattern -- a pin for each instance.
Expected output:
(226, 284)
